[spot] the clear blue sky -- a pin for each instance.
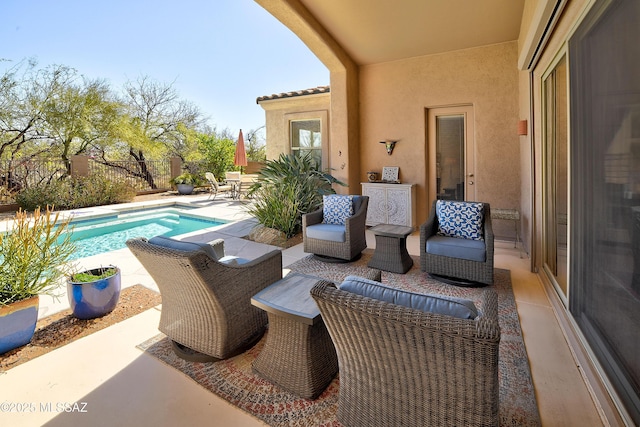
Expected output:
(220, 54)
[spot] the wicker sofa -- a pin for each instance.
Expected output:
(206, 297)
(477, 271)
(401, 366)
(336, 242)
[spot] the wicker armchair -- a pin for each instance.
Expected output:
(404, 367)
(351, 242)
(206, 298)
(477, 272)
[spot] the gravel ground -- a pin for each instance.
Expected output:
(62, 328)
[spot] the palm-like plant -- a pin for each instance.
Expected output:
(286, 189)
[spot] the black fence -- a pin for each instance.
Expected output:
(142, 176)
(16, 175)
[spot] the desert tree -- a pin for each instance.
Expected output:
(159, 124)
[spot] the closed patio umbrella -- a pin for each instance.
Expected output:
(240, 158)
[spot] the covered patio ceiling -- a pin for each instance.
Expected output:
(374, 31)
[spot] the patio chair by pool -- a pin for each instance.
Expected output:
(456, 243)
(206, 296)
(409, 359)
(337, 230)
(216, 187)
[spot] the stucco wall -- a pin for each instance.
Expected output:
(394, 97)
(278, 112)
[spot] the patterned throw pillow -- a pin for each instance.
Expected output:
(336, 209)
(460, 219)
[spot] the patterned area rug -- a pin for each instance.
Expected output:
(234, 380)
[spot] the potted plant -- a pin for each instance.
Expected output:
(94, 293)
(34, 254)
(186, 182)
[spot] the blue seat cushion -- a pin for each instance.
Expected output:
(331, 232)
(472, 250)
(439, 304)
(179, 245)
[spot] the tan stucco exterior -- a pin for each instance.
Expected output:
(393, 103)
(344, 130)
(280, 111)
(395, 96)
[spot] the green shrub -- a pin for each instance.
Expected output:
(73, 193)
(286, 189)
(187, 178)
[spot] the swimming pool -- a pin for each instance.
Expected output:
(94, 236)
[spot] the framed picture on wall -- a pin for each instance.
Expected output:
(390, 173)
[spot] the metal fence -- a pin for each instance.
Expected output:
(150, 175)
(16, 175)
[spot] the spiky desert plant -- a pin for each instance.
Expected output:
(287, 188)
(34, 256)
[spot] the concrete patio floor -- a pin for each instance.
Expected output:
(114, 383)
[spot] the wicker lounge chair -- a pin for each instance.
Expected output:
(206, 297)
(401, 366)
(336, 242)
(469, 272)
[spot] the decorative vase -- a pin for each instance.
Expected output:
(184, 188)
(372, 176)
(18, 323)
(96, 298)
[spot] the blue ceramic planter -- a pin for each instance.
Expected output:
(18, 323)
(89, 300)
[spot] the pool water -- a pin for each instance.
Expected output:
(99, 235)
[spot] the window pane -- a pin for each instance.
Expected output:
(450, 157)
(306, 138)
(605, 197)
(306, 133)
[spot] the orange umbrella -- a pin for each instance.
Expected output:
(240, 159)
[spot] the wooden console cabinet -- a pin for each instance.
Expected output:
(390, 203)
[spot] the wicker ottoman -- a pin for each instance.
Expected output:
(299, 355)
(391, 248)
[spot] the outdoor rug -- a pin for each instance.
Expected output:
(234, 380)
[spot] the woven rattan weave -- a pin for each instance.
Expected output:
(404, 367)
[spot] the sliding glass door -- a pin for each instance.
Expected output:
(555, 179)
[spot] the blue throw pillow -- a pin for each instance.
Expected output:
(336, 209)
(460, 219)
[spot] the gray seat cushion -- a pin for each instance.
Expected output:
(472, 250)
(179, 245)
(439, 304)
(357, 202)
(233, 260)
(331, 232)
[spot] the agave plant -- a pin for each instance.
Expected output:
(286, 189)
